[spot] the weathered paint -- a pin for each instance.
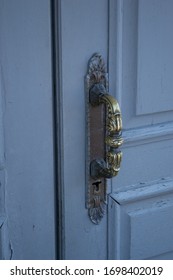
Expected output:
(140, 200)
(26, 75)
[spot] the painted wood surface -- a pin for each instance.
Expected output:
(140, 224)
(141, 197)
(140, 208)
(5, 252)
(1, 120)
(84, 32)
(124, 59)
(155, 64)
(25, 57)
(139, 201)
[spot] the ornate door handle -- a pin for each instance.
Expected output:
(104, 137)
(110, 167)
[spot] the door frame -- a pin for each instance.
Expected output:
(58, 124)
(114, 43)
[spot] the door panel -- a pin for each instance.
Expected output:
(154, 58)
(140, 209)
(141, 221)
(131, 56)
(140, 197)
(27, 161)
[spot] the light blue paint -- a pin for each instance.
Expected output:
(25, 57)
(141, 198)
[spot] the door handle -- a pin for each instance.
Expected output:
(113, 139)
(103, 137)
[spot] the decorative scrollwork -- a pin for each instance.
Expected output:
(114, 161)
(109, 169)
(114, 142)
(97, 211)
(97, 68)
(113, 138)
(108, 166)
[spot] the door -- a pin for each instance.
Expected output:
(27, 192)
(45, 47)
(135, 40)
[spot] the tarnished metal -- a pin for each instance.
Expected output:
(113, 137)
(104, 126)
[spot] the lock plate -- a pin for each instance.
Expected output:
(95, 145)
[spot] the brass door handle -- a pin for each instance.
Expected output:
(113, 140)
(103, 137)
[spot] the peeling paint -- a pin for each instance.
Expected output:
(2, 225)
(11, 250)
(6, 252)
(2, 111)
(8, 243)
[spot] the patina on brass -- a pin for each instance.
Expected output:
(104, 137)
(113, 139)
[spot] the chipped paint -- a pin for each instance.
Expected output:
(6, 252)
(2, 102)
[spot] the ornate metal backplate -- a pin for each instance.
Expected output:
(103, 134)
(95, 146)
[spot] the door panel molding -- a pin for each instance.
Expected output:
(115, 55)
(154, 66)
(124, 68)
(140, 219)
(143, 191)
(148, 134)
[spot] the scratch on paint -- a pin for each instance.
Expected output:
(2, 225)
(11, 250)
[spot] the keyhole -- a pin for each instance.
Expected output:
(96, 185)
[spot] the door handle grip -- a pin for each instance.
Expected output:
(103, 137)
(113, 139)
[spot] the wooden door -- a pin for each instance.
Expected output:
(135, 39)
(27, 189)
(140, 205)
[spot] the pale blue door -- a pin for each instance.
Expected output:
(27, 192)
(135, 39)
